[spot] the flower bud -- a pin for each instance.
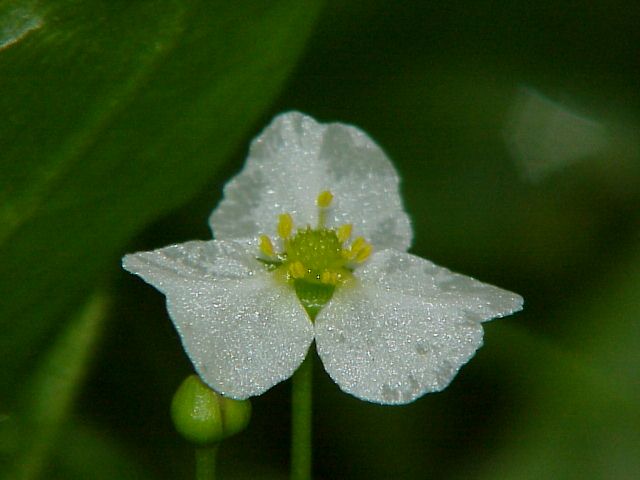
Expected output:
(205, 417)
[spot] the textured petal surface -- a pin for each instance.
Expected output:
(405, 327)
(243, 330)
(295, 159)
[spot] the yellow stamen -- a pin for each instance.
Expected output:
(360, 250)
(266, 246)
(329, 278)
(297, 270)
(344, 232)
(364, 253)
(324, 199)
(285, 225)
(323, 255)
(357, 245)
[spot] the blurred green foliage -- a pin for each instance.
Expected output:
(126, 118)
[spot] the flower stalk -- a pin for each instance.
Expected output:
(206, 462)
(301, 420)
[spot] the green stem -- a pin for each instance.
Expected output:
(301, 420)
(206, 462)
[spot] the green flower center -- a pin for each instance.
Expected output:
(314, 260)
(319, 251)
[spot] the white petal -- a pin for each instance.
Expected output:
(243, 330)
(295, 159)
(405, 327)
(167, 267)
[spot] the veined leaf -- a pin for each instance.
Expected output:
(30, 433)
(115, 112)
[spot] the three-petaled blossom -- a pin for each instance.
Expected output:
(311, 243)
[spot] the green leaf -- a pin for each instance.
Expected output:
(113, 114)
(89, 452)
(29, 435)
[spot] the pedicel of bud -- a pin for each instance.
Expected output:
(205, 417)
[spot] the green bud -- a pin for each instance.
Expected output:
(205, 417)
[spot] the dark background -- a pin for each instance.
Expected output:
(514, 127)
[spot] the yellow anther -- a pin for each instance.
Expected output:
(297, 270)
(266, 246)
(360, 250)
(324, 199)
(329, 278)
(285, 225)
(344, 232)
(357, 245)
(364, 253)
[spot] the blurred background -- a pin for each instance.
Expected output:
(514, 126)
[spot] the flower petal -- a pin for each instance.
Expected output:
(405, 327)
(295, 159)
(243, 330)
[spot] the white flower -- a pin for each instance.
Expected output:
(283, 270)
